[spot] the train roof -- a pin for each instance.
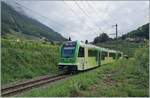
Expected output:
(97, 47)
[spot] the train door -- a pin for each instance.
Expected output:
(99, 58)
(92, 58)
(86, 58)
(104, 56)
(81, 58)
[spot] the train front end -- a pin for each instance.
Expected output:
(68, 56)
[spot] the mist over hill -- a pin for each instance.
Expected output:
(15, 24)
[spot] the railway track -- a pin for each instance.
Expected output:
(14, 89)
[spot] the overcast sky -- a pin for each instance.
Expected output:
(83, 20)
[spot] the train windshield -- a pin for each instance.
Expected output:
(68, 50)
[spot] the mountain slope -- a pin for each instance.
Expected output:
(19, 25)
(142, 32)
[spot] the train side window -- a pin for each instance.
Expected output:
(81, 52)
(104, 54)
(113, 55)
(119, 55)
(92, 53)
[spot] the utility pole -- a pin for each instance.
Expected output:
(116, 31)
(116, 38)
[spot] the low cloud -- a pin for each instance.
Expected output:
(83, 20)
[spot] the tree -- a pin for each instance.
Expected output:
(86, 41)
(101, 38)
(69, 39)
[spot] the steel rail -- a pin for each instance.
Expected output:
(14, 89)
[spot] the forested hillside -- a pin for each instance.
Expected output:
(142, 32)
(18, 25)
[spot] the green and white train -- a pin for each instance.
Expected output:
(78, 56)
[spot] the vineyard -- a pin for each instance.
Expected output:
(27, 59)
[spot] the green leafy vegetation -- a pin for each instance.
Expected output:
(27, 59)
(125, 77)
(101, 38)
(16, 24)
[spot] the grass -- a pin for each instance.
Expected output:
(126, 77)
(27, 59)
